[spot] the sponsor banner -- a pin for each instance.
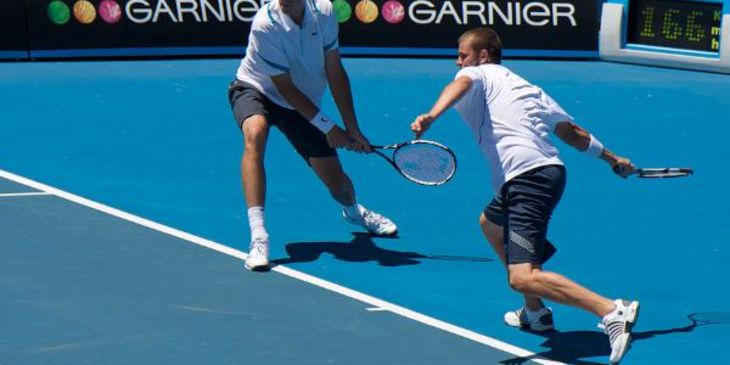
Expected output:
(139, 27)
(563, 25)
(13, 39)
(59, 28)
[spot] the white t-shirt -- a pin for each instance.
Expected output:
(277, 45)
(511, 120)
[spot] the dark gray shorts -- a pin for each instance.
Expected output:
(246, 101)
(523, 207)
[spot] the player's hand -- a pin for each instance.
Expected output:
(359, 142)
(337, 138)
(623, 167)
(421, 124)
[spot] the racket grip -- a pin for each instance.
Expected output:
(619, 170)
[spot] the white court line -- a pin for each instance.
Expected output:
(3, 195)
(375, 302)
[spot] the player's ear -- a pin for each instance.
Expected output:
(483, 56)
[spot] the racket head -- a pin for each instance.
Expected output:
(663, 173)
(424, 162)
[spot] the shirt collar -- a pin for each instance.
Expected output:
(277, 15)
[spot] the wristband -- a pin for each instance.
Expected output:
(595, 148)
(322, 122)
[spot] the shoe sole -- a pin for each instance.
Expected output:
(356, 223)
(529, 327)
(264, 267)
(626, 342)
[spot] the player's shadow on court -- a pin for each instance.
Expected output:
(360, 249)
(570, 347)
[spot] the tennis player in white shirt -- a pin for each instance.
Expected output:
(292, 56)
(511, 120)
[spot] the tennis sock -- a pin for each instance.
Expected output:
(353, 211)
(256, 221)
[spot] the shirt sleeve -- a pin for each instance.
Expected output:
(330, 27)
(555, 114)
(473, 100)
(476, 76)
(270, 52)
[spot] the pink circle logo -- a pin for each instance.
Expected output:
(110, 11)
(393, 12)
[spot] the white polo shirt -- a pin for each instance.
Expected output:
(511, 120)
(277, 45)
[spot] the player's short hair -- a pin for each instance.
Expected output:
(484, 38)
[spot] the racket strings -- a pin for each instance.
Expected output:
(425, 163)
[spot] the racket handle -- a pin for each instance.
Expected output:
(619, 170)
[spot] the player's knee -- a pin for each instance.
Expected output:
(255, 132)
(521, 281)
(483, 221)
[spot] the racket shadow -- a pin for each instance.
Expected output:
(571, 346)
(360, 249)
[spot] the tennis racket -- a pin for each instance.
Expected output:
(660, 173)
(421, 161)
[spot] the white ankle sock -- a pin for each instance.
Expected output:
(256, 221)
(353, 211)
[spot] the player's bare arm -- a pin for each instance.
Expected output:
(450, 95)
(336, 137)
(574, 135)
(339, 83)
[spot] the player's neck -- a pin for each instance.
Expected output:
(297, 16)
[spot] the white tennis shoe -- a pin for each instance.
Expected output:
(539, 321)
(617, 325)
(258, 254)
(374, 223)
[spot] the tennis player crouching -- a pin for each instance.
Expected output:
(292, 55)
(511, 120)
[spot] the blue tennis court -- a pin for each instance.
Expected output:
(123, 225)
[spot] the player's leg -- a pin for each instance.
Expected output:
(253, 173)
(312, 145)
(617, 317)
(533, 315)
(249, 110)
(531, 198)
(495, 236)
(529, 279)
(329, 170)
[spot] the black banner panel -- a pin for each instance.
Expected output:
(524, 26)
(61, 28)
(67, 28)
(13, 36)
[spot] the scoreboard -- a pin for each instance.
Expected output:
(692, 34)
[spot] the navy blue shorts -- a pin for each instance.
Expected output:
(309, 141)
(523, 207)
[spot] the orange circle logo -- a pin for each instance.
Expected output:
(366, 11)
(84, 12)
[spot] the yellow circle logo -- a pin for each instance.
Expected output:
(84, 12)
(366, 11)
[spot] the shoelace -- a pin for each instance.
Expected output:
(522, 315)
(371, 218)
(259, 247)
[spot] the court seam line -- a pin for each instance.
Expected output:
(339, 289)
(9, 195)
